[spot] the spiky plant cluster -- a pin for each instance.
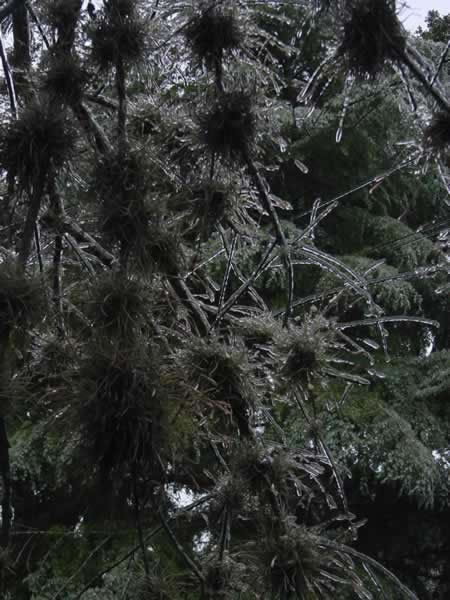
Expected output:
(258, 331)
(120, 33)
(118, 408)
(437, 134)
(211, 203)
(302, 358)
(219, 377)
(61, 14)
(302, 350)
(291, 558)
(218, 576)
(40, 137)
(121, 184)
(161, 251)
(212, 34)
(268, 472)
(22, 298)
(228, 128)
(65, 79)
(155, 586)
(119, 306)
(230, 495)
(372, 36)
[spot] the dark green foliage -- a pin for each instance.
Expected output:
(40, 137)
(182, 422)
(228, 128)
(372, 35)
(437, 134)
(213, 33)
(438, 27)
(22, 298)
(65, 79)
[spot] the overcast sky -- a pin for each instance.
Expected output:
(415, 15)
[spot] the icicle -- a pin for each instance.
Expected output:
(371, 343)
(331, 264)
(347, 389)
(440, 64)
(313, 77)
(389, 319)
(301, 166)
(351, 377)
(377, 374)
(347, 88)
(404, 78)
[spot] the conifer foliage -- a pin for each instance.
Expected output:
(206, 299)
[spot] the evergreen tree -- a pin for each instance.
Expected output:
(223, 269)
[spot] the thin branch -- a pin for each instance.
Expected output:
(280, 237)
(38, 24)
(8, 9)
(81, 567)
(243, 288)
(137, 514)
(135, 549)
(8, 78)
(423, 79)
(92, 128)
(187, 559)
(371, 561)
(69, 226)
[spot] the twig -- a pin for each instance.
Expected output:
(422, 78)
(280, 237)
(6, 10)
(38, 24)
(187, 559)
(8, 78)
(137, 514)
(238, 293)
(80, 568)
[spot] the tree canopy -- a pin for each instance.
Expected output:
(224, 363)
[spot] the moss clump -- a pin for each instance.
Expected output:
(119, 408)
(120, 34)
(217, 378)
(119, 306)
(437, 134)
(40, 137)
(212, 34)
(302, 358)
(22, 299)
(61, 14)
(211, 203)
(121, 184)
(65, 79)
(228, 128)
(291, 557)
(372, 35)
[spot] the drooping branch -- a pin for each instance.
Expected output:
(280, 237)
